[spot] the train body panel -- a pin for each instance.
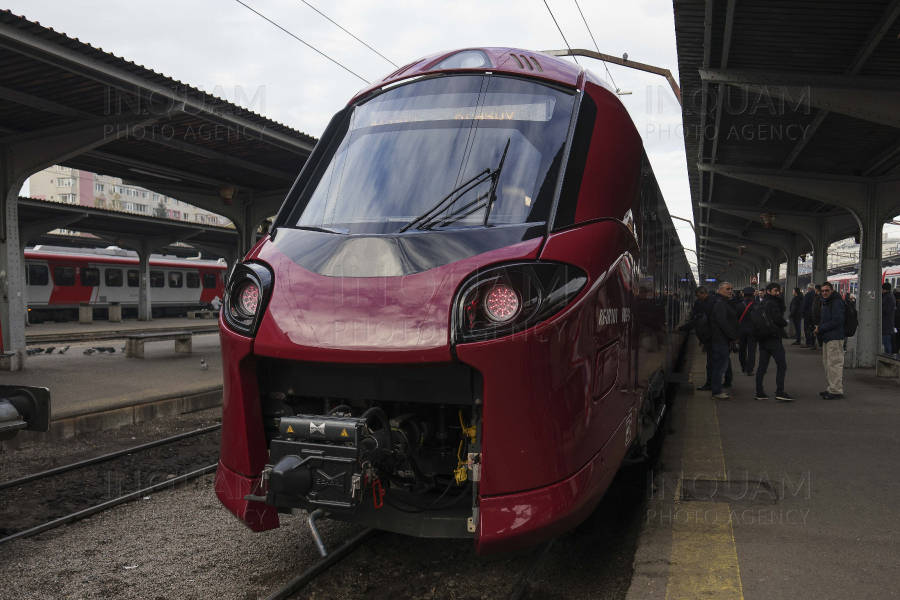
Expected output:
(487, 359)
(63, 280)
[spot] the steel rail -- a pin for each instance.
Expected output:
(106, 505)
(320, 567)
(106, 457)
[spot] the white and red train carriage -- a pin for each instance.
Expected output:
(59, 280)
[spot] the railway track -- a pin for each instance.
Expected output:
(90, 487)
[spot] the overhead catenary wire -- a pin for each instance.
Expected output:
(560, 31)
(300, 40)
(350, 34)
(595, 45)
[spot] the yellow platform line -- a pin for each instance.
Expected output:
(703, 561)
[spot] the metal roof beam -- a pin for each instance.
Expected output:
(876, 100)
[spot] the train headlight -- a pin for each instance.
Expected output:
(501, 303)
(246, 297)
(498, 301)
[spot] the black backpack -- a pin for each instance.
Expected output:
(761, 322)
(851, 319)
(704, 329)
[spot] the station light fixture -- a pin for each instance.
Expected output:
(768, 219)
(227, 191)
(741, 250)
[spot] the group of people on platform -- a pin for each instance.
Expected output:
(752, 322)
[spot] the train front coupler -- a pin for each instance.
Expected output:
(23, 408)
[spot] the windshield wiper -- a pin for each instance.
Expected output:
(460, 189)
(322, 229)
(429, 218)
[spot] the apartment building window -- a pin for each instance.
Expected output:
(69, 198)
(141, 208)
(156, 197)
(98, 187)
(65, 182)
(144, 195)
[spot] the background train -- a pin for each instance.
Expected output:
(849, 282)
(462, 320)
(59, 279)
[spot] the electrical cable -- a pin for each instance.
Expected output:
(350, 34)
(560, 31)
(300, 40)
(596, 46)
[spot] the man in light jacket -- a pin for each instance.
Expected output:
(830, 332)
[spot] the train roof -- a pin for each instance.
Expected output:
(515, 61)
(116, 254)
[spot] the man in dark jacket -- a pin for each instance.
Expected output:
(701, 308)
(795, 313)
(817, 314)
(888, 308)
(725, 332)
(831, 333)
(770, 345)
(748, 342)
(806, 313)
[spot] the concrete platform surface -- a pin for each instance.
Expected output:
(73, 330)
(764, 499)
(81, 384)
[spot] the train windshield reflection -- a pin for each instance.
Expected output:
(404, 150)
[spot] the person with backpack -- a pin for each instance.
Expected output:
(747, 342)
(888, 308)
(795, 313)
(724, 332)
(703, 329)
(838, 320)
(767, 320)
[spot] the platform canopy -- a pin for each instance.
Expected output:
(792, 131)
(66, 102)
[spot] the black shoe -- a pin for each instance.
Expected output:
(761, 395)
(783, 397)
(824, 393)
(830, 396)
(705, 387)
(750, 373)
(795, 344)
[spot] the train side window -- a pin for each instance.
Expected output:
(176, 279)
(90, 277)
(113, 277)
(37, 275)
(193, 279)
(157, 279)
(64, 276)
(209, 281)
(134, 278)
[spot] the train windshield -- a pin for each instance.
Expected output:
(462, 140)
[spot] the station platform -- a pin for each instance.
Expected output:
(764, 499)
(104, 390)
(74, 331)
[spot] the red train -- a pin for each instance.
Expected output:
(59, 279)
(461, 321)
(849, 282)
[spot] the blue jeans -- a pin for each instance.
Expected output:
(771, 347)
(886, 342)
(720, 363)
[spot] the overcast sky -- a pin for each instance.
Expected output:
(221, 47)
